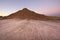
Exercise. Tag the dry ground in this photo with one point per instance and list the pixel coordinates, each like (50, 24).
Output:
(29, 30)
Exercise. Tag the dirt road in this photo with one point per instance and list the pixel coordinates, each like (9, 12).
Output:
(29, 30)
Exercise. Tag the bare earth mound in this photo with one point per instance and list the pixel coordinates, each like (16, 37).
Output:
(26, 14)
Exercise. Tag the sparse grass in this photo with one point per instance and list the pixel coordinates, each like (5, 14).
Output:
(53, 18)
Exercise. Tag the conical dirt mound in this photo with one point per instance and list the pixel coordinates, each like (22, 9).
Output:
(26, 14)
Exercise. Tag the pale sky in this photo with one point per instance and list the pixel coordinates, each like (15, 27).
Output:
(39, 6)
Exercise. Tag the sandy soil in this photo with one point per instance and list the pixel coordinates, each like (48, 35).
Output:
(29, 30)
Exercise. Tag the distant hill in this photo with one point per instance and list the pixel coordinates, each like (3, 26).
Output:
(28, 14)
(54, 14)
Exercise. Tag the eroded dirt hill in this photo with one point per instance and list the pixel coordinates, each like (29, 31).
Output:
(26, 14)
